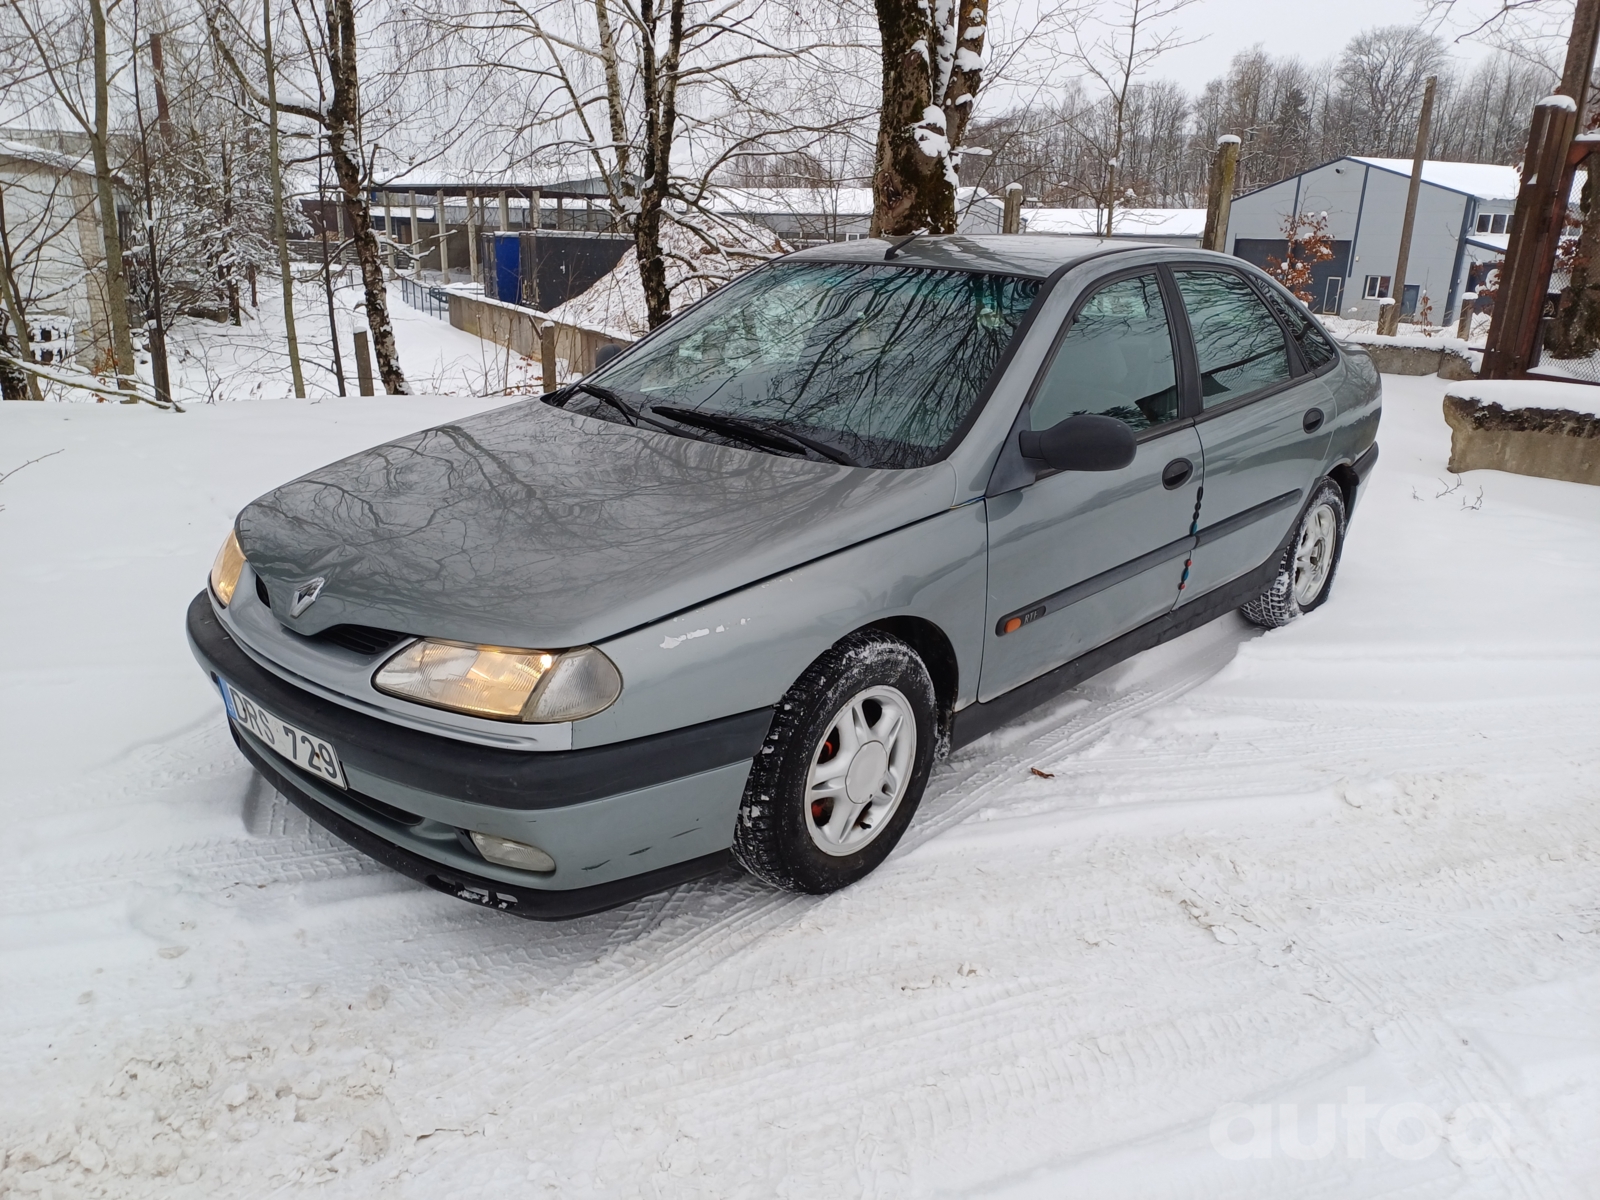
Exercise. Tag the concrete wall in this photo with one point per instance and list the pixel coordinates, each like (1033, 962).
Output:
(1366, 207)
(517, 328)
(1549, 443)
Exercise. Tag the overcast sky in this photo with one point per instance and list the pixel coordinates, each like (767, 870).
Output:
(1312, 29)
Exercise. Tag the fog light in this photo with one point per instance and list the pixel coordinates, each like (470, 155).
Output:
(508, 853)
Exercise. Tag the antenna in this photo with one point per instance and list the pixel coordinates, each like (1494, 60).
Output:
(896, 247)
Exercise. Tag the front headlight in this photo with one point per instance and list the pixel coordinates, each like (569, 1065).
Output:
(501, 684)
(226, 570)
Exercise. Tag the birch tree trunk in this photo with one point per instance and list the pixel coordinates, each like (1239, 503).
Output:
(110, 234)
(342, 123)
(659, 83)
(280, 232)
(932, 68)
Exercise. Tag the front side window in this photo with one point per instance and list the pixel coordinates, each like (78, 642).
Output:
(1115, 359)
(882, 363)
(1239, 343)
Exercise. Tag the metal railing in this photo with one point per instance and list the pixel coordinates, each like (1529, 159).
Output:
(434, 301)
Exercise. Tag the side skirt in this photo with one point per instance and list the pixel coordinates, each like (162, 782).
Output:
(976, 720)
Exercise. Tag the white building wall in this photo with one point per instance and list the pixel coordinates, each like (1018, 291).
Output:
(55, 244)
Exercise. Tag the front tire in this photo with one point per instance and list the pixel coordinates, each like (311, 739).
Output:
(843, 767)
(1305, 576)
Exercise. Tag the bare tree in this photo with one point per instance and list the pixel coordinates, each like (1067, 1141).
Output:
(1114, 49)
(650, 98)
(332, 47)
(77, 77)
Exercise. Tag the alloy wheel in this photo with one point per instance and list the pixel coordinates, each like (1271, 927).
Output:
(1313, 556)
(860, 770)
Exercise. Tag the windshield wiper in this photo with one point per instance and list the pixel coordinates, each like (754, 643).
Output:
(757, 435)
(606, 395)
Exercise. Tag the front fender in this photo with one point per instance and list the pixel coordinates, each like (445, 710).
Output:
(744, 650)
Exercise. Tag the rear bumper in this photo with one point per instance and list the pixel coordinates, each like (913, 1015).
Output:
(621, 821)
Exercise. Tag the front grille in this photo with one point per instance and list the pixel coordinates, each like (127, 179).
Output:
(363, 639)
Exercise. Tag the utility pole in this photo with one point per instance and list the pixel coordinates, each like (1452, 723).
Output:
(1389, 314)
(1219, 203)
(1541, 211)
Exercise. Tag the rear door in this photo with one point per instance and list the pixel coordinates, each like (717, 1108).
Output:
(1261, 424)
(1078, 558)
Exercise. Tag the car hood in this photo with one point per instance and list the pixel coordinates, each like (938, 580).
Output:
(531, 526)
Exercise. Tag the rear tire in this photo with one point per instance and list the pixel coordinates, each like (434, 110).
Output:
(843, 767)
(1305, 575)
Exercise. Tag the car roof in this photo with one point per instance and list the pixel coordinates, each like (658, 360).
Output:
(1007, 254)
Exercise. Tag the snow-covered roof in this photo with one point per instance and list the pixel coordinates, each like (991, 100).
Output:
(1483, 180)
(1127, 222)
(800, 201)
(49, 158)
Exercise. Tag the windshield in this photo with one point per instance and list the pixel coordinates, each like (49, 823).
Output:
(880, 364)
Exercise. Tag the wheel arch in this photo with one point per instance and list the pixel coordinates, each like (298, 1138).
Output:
(1345, 476)
(938, 654)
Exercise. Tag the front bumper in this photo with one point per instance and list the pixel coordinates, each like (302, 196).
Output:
(621, 821)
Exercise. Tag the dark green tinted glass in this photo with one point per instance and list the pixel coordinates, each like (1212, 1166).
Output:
(881, 362)
(1239, 344)
(1315, 349)
(1115, 359)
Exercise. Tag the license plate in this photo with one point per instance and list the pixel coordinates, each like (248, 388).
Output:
(305, 750)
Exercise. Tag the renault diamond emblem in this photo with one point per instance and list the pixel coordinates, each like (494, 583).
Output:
(306, 595)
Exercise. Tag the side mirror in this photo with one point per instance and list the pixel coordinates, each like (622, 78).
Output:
(1086, 442)
(605, 354)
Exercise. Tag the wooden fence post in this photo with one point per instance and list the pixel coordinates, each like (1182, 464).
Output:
(1469, 302)
(547, 354)
(1219, 203)
(1011, 221)
(363, 362)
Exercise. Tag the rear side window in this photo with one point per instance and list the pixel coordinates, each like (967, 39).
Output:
(1239, 344)
(1115, 359)
(1315, 348)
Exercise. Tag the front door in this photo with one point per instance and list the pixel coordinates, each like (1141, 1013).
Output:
(1262, 421)
(1077, 558)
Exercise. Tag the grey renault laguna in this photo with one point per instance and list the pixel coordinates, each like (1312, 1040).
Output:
(730, 595)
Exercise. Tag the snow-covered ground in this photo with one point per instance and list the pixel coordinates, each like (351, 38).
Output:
(213, 362)
(1350, 866)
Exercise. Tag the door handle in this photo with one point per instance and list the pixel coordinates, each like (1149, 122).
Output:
(1313, 420)
(1176, 473)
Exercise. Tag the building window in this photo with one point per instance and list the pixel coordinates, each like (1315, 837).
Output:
(1501, 224)
(1377, 287)
(1483, 222)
